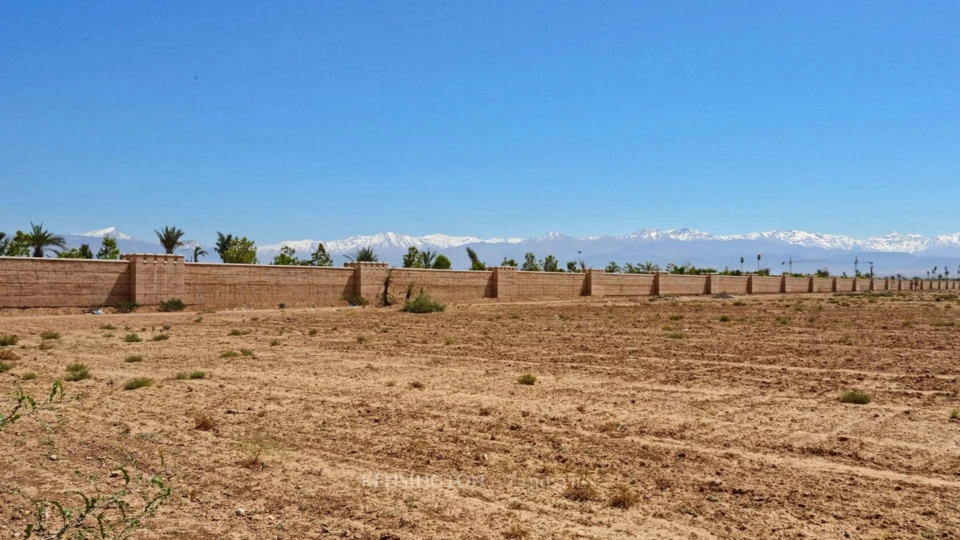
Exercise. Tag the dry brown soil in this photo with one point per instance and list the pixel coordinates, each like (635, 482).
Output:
(391, 425)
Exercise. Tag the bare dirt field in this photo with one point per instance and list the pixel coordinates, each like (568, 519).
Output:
(691, 418)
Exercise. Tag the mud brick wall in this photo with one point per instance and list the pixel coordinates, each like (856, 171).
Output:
(627, 285)
(29, 282)
(150, 279)
(549, 285)
(671, 284)
(446, 285)
(732, 284)
(247, 285)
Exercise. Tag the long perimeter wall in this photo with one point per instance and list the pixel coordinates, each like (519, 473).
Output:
(150, 279)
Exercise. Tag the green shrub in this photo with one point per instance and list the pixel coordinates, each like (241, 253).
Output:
(246, 352)
(161, 337)
(422, 304)
(49, 335)
(357, 300)
(313, 332)
(7, 340)
(28, 376)
(274, 342)
(126, 307)
(417, 385)
(362, 339)
(132, 338)
(528, 379)
(282, 306)
(107, 327)
(174, 304)
(856, 397)
(724, 318)
(955, 414)
(77, 372)
(228, 354)
(236, 332)
(5, 366)
(184, 375)
(139, 382)
(782, 320)
(133, 359)
(676, 317)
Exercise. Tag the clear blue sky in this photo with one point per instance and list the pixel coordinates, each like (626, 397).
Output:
(285, 120)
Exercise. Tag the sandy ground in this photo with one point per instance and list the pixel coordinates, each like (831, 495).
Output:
(388, 425)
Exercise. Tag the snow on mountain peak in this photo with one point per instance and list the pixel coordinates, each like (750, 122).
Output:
(100, 233)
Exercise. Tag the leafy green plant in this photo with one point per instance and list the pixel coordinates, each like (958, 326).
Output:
(174, 304)
(77, 372)
(527, 379)
(139, 382)
(357, 300)
(124, 306)
(363, 254)
(856, 397)
(422, 304)
(8, 340)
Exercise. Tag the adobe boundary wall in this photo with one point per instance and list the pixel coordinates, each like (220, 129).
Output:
(151, 279)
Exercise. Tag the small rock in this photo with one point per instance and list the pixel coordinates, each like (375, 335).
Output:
(240, 512)
(53, 458)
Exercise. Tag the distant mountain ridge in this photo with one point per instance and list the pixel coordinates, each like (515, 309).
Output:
(900, 253)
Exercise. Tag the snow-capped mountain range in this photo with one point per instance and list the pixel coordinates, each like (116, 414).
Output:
(907, 253)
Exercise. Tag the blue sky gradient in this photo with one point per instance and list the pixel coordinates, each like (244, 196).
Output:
(323, 120)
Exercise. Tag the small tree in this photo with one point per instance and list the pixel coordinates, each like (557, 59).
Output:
(240, 251)
(320, 257)
(198, 252)
(412, 258)
(426, 258)
(441, 263)
(40, 239)
(170, 239)
(550, 264)
(364, 254)
(612, 268)
(5, 242)
(758, 263)
(108, 249)
(572, 267)
(475, 263)
(74, 253)
(508, 262)
(223, 244)
(286, 257)
(530, 263)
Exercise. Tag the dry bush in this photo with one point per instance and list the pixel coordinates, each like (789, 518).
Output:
(581, 491)
(623, 497)
(204, 422)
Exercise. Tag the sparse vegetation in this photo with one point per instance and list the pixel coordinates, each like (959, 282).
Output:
(236, 332)
(246, 352)
(229, 354)
(174, 304)
(357, 300)
(581, 491)
(49, 335)
(204, 422)
(132, 338)
(107, 327)
(5, 366)
(417, 385)
(28, 376)
(422, 304)
(527, 379)
(274, 342)
(8, 340)
(161, 337)
(191, 375)
(124, 306)
(133, 359)
(855, 397)
(724, 318)
(139, 382)
(77, 372)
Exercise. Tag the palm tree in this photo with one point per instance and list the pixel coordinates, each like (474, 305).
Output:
(198, 252)
(741, 265)
(170, 239)
(427, 257)
(39, 239)
(364, 254)
(758, 263)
